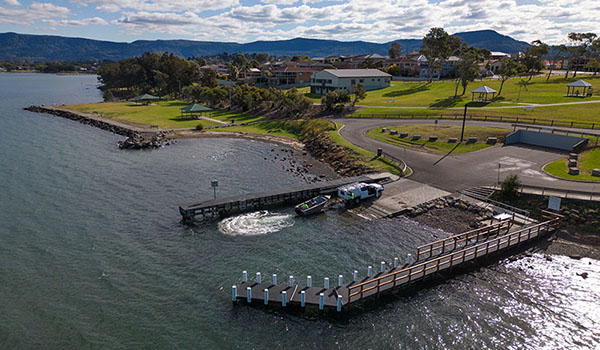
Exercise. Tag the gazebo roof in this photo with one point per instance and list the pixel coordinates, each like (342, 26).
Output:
(146, 97)
(484, 90)
(195, 108)
(580, 83)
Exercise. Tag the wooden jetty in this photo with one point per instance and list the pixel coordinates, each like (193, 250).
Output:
(439, 256)
(255, 201)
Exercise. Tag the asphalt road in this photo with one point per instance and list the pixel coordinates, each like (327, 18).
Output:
(457, 172)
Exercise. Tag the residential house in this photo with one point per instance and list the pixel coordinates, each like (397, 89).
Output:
(290, 76)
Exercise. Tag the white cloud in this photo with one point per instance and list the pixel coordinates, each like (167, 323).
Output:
(35, 11)
(12, 3)
(76, 22)
(158, 5)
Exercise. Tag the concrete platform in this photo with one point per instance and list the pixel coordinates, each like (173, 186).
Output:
(398, 196)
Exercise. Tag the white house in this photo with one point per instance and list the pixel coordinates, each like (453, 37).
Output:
(329, 80)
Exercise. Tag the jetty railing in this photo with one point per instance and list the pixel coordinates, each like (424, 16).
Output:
(419, 271)
(441, 246)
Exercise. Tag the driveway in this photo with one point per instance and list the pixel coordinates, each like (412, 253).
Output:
(458, 172)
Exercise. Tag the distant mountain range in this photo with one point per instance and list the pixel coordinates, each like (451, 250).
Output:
(50, 48)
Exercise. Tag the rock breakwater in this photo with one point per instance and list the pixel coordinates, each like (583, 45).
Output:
(135, 139)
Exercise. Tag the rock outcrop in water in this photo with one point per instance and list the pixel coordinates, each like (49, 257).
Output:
(135, 140)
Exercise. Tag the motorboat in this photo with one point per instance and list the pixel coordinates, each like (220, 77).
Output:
(312, 206)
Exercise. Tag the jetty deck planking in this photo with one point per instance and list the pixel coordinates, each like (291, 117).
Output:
(492, 241)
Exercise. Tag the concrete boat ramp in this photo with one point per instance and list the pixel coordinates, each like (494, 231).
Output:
(399, 195)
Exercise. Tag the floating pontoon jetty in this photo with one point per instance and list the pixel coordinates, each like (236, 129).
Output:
(432, 258)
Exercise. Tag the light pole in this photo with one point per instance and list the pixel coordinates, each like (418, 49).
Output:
(214, 184)
(462, 132)
(499, 166)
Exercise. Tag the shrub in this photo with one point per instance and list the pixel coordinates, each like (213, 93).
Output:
(199, 127)
(509, 188)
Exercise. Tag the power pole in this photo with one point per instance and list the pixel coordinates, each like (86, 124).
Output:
(462, 133)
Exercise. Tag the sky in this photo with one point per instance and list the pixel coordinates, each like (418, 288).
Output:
(251, 20)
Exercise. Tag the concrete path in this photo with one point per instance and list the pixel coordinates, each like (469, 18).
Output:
(458, 172)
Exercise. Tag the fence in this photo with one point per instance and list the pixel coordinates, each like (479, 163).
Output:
(400, 162)
(502, 119)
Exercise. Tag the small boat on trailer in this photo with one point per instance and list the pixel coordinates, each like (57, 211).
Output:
(312, 206)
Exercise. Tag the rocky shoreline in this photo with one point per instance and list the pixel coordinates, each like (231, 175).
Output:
(135, 139)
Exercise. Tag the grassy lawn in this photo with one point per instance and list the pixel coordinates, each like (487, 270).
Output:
(587, 162)
(164, 114)
(444, 132)
(562, 115)
(366, 157)
(276, 128)
(441, 93)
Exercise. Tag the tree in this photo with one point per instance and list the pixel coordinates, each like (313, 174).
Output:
(467, 68)
(395, 51)
(580, 43)
(437, 47)
(262, 58)
(509, 68)
(532, 57)
(368, 63)
(509, 189)
(333, 100)
(593, 65)
(208, 78)
(394, 70)
(522, 84)
(359, 94)
(556, 54)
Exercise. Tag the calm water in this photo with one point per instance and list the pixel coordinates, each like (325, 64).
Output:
(92, 253)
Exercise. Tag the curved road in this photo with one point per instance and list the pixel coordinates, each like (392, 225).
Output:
(458, 172)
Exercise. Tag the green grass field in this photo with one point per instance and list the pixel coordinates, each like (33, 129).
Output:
(164, 114)
(276, 128)
(436, 99)
(441, 93)
(366, 157)
(444, 132)
(588, 161)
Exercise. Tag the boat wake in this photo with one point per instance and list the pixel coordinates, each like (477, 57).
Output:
(255, 224)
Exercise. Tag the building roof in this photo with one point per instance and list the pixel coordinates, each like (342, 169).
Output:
(195, 108)
(356, 73)
(145, 97)
(580, 83)
(484, 90)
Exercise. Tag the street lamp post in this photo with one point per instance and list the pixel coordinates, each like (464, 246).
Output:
(214, 184)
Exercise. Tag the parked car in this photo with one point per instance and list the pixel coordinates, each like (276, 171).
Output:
(356, 192)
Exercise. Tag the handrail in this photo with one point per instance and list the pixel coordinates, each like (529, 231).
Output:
(450, 258)
(466, 236)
